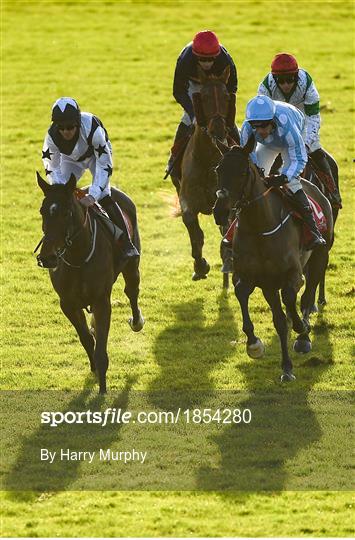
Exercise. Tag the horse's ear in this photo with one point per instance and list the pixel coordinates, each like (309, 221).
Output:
(225, 75)
(249, 146)
(42, 183)
(71, 184)
(201, 75)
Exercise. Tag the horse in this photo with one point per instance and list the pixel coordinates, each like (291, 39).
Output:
(318, 178)
(268, 252)
(214, 109)
(83, 266)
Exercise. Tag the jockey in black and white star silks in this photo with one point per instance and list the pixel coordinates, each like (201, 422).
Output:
(66, 152)
(77, 141)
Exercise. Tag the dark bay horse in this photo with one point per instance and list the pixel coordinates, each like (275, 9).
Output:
(319, 179)
(268, 252)
(83, 266)
(214, 110)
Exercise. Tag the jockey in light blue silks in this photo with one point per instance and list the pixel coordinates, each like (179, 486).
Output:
(279, 128)
(292, 84)
(77, 141)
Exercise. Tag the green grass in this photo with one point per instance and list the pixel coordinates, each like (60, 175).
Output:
(117, 59)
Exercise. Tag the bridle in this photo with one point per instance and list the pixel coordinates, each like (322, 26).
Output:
(244, 202)
(69, 239)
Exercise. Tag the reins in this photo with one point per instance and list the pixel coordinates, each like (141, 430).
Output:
(245, 203)
(68, 242)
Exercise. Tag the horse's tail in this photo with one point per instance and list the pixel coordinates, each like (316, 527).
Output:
(176, 208)
(173, 203)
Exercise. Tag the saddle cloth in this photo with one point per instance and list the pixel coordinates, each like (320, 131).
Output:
(318, 215)
(99, 212)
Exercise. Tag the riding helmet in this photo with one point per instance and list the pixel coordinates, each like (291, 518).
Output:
(260, 108)
(284, 63)
(66, 111)
(206, 44)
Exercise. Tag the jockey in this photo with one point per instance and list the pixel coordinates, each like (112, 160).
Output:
(279, 128)
(204, 51)
(287, 82)
(77, 141)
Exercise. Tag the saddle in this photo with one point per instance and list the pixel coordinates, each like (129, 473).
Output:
(97, 212)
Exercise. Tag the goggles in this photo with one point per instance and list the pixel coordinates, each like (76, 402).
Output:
(67, 127)
(260, 123)
(289, 79)
(206, 59)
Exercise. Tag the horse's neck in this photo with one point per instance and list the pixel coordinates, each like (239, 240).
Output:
(204, 148)
(265, 211)
(81, 225)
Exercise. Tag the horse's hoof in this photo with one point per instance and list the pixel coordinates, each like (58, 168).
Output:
(314, 309)
(287, 376)
(256, 350)
(201, 270)
(322, 302)
(197, 277)
(302, 346)
(137, 327)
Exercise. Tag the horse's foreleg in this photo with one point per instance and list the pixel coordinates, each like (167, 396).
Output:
(272, 297)
(201, 266)
(132, 279)
(289, 298)
(77, 318)
(102, 314)
(255, 347)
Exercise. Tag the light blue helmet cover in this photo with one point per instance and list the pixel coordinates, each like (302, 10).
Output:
(260, 108)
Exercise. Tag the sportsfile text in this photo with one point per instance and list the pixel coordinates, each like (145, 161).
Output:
(119, 416)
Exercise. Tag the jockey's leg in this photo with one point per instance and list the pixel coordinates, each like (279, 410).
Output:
(320, 159)
(265, 157)
(115, 214)
(302, 205)
(174, 164)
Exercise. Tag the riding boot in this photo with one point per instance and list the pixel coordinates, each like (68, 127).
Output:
(302, 205)
(128, 250)
(320, 159)
(173, 167)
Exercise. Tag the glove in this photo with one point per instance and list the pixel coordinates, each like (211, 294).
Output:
(87, 201)
(276, 180)
(221, 212)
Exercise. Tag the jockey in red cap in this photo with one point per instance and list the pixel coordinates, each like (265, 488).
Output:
(206, 52)
(288, 82)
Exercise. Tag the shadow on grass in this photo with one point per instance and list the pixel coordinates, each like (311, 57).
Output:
(188, 351)
(28, 472)
(257, 457)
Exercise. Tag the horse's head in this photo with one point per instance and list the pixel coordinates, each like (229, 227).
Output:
(214, 106)
(233, 174)
(234, 181)
(57, 220)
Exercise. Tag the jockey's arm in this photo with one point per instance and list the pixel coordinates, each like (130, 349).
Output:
(311, 109)
(51, 161)
(264, 89)
(180, 88)
(297, 155)
(104, 164)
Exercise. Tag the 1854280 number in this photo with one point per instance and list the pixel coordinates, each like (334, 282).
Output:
(220, 416)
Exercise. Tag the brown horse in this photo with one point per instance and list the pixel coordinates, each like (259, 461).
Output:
(317, 177)
(214, 110)
(83, 266)
(268, 252)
